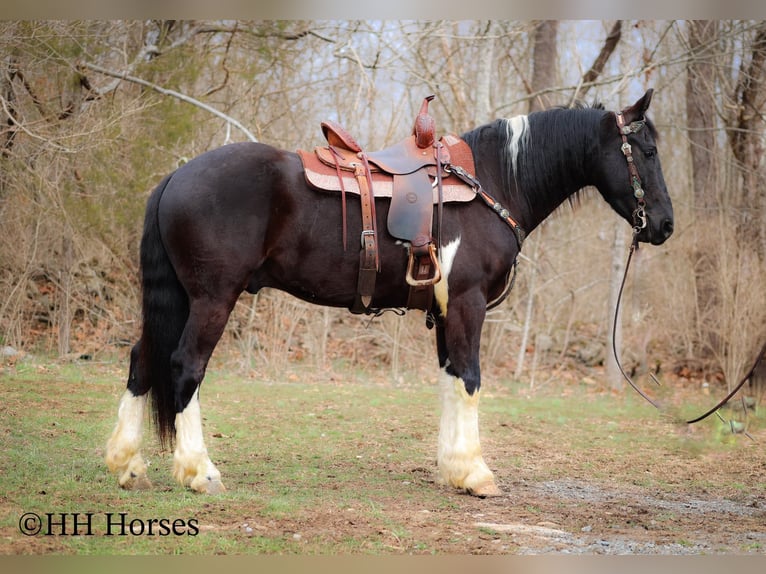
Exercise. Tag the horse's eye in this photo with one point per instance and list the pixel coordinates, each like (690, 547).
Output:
(651, 152)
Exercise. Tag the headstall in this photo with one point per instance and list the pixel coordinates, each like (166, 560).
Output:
(639, 215)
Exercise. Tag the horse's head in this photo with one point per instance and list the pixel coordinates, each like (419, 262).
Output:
(629, 175)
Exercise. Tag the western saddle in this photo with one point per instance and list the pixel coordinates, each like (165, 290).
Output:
(416, 174)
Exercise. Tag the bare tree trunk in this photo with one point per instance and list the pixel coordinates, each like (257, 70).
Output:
(8, 127)
(700, 119)
(544, 58)
(7, 97)
(483, 109)
(543, 76)
(613, 374)
(65, 297)
(700, 112)
(529, 313)
(746, 137)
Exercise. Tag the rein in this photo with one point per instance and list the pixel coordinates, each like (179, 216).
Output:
(639, 223)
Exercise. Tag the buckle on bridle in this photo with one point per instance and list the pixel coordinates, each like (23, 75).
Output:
(639, 217)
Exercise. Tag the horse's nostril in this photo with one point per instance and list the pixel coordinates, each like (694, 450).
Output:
(667, 227)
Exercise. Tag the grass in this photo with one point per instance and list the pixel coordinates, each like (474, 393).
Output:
(280, 447)
(312, 466)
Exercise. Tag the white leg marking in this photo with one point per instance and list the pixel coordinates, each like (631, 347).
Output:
(459, 458)
(123, 450)
(191, 465)
(446, 258)
(518, 126)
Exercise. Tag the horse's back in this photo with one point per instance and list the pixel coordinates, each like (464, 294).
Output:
(244, 168)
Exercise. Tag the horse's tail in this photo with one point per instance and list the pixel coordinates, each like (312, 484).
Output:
(165, 312)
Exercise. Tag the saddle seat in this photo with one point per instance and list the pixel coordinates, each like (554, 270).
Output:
(413, 174)
(402, 158)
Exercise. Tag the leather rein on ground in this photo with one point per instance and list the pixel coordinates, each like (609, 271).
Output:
(639, 223)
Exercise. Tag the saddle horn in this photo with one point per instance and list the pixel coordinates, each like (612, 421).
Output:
(425, 126)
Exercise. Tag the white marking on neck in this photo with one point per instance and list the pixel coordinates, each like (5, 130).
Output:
(518, 133)
(446, 259)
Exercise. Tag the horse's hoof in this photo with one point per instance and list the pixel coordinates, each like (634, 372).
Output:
(209, 486)
(485, 490)
(215, 487)
(137, 482)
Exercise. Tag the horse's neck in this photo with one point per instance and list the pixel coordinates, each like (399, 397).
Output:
(553, 166)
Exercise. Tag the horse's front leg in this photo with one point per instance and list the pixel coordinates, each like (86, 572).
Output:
(459, 459)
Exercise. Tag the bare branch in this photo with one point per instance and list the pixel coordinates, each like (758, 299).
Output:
(168, 92)
(598, 64)
(148, 51)
(13, 121)
(223, 29)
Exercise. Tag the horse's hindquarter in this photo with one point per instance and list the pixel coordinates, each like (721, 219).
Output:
(214, 214)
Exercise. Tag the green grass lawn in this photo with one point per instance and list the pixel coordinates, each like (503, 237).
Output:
(311, 465)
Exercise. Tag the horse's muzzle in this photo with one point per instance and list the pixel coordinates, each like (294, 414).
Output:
(660, 234)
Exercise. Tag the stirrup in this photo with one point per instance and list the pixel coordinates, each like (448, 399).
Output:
(437, 274)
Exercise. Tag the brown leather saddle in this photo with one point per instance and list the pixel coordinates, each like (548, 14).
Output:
(414, 174)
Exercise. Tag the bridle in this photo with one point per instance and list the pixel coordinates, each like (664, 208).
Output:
(639, 223)
(639, 214)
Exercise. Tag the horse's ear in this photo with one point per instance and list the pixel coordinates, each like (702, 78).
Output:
(638, 110)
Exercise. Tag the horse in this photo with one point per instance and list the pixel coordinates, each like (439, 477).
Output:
(242, 217)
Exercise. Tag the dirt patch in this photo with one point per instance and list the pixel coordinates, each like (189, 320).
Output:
(554, 517)
(583, 517)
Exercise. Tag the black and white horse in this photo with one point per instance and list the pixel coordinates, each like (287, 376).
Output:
(242, 217)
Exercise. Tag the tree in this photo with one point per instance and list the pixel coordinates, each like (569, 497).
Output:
(746, 127)
(725, 90)
(544, 63)
(701, 73)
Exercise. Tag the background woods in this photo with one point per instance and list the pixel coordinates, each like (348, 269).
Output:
(94, 114)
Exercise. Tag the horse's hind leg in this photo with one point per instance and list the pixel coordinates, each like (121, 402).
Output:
(123, 450)
(192, 466)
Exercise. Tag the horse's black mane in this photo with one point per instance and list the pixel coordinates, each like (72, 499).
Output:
(567, 128)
